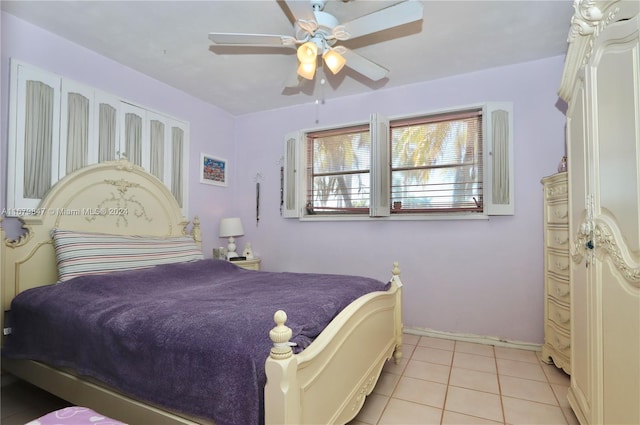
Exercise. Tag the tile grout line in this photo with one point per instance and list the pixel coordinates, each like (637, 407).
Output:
(446, 392)
(495, 359)
(395, 386)
(564, 413)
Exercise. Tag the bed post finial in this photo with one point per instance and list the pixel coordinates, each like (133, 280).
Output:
(395, 272)
(280, 335)
(396, 269)
(196, 233)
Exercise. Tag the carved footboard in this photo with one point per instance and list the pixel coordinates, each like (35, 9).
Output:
(329, 380)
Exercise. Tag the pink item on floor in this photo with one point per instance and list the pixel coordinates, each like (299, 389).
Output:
(74, 415)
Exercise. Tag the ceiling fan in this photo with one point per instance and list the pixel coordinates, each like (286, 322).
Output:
(316, 32)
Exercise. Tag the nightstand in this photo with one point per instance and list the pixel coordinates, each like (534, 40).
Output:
(253, 264)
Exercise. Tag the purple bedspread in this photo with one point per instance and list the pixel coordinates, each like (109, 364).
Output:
(192, 337)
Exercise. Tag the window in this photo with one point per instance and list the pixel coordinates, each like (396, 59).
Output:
(446, 164)
(339, 171)
(436, 163)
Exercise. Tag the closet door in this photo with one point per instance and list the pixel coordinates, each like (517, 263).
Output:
(159, 136)
(77, 149)
(168, 148)
(615, 76)
(134, 134)
(106, 138)
(582, 310)
(34, 136)
(178, 162)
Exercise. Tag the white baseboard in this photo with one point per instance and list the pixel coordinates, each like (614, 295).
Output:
(478, 339)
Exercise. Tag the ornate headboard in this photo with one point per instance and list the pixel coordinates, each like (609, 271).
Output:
(115, 197)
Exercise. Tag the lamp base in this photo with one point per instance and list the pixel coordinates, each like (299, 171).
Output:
(231, 248)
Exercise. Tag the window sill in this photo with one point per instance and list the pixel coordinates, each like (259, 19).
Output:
(396, 217)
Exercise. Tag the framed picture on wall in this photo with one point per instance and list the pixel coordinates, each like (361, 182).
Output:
(213, 170)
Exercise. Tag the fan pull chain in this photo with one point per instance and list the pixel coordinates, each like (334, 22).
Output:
(320, 101)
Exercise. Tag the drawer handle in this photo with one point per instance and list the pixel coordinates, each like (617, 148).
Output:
(560, 214)
(561, 346)
(561, 292)
(560, 318)
(561, 241)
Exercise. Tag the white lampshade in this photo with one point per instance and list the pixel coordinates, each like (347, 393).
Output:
(231, 227)
(334, 60)
(307, 52)
(307, 70)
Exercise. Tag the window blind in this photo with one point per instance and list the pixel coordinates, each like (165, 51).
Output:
(339, 170)
(437, 163)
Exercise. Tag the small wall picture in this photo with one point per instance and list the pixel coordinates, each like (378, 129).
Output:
(213, 170)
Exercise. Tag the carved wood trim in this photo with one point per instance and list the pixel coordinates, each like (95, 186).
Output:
(606, 245)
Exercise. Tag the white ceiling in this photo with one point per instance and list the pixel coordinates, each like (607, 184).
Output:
(167, 40)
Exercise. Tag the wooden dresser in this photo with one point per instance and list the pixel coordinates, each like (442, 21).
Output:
(557, 308)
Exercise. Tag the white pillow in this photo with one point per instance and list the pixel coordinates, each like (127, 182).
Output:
(83, 253)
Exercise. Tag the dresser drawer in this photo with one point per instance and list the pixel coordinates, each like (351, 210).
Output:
(558, 263)
(558, 237)
(558, 289)
(557, 188)
(253, 264)
(558, 213)
(558, 340)
(559, 315)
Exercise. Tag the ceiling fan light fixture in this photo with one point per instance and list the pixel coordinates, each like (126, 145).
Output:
(308, 52)
(307, 70)
(334, 60)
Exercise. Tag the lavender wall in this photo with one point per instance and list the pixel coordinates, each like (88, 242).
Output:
(499, 289)
(211, 129)
(474, 276)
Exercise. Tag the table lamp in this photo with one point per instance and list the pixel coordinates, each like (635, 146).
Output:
(231, 227)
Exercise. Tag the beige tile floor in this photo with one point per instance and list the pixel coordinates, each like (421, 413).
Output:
(438, 381)
(442, 381)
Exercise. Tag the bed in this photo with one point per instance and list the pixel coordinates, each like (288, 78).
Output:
(326, 382)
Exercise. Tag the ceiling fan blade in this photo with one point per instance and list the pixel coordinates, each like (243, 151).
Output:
(362, 65)
(392, 16)
(234, 39)
(301, 10)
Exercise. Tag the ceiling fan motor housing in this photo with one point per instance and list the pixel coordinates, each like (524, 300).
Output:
(317, 4)
(326, 23)
(321, 31)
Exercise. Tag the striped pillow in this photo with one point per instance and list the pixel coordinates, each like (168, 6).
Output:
(80, 253)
